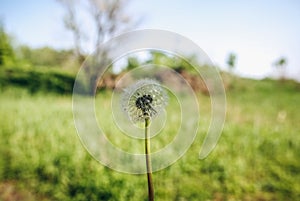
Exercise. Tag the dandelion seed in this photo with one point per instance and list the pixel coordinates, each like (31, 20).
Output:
(144, 99)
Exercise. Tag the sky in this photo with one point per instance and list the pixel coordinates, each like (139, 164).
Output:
(259, 32)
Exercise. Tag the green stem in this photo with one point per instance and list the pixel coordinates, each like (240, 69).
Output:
(148, 161)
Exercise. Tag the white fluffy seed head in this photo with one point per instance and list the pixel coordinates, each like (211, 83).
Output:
(144, 99)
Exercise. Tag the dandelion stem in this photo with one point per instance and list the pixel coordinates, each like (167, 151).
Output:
(148, 160)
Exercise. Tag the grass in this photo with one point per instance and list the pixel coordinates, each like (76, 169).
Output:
(257, 157)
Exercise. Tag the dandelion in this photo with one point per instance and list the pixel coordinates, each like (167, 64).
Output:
(142, 102)
(144, 99)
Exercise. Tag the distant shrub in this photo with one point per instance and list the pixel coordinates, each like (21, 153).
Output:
(37, 80)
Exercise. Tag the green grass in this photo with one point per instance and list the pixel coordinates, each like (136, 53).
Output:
(257, 157)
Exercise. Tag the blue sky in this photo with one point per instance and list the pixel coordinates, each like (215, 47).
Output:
(258, 31)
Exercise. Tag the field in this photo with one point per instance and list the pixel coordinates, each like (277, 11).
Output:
(257, 157)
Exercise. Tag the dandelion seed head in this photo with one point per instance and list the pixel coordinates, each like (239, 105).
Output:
(144, 99)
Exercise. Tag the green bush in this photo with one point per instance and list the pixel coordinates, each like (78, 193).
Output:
(37, 80)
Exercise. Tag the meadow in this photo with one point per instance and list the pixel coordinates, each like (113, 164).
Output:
(257, 156)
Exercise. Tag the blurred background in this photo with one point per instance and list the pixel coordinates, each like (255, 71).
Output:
(254, 45)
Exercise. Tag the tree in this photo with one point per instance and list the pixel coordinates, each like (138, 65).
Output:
(6, 50)
(231, 61)
(173, 61)
(71, 23)
(280, 65)
(44, 56)
(108, 19)
(132, 62)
